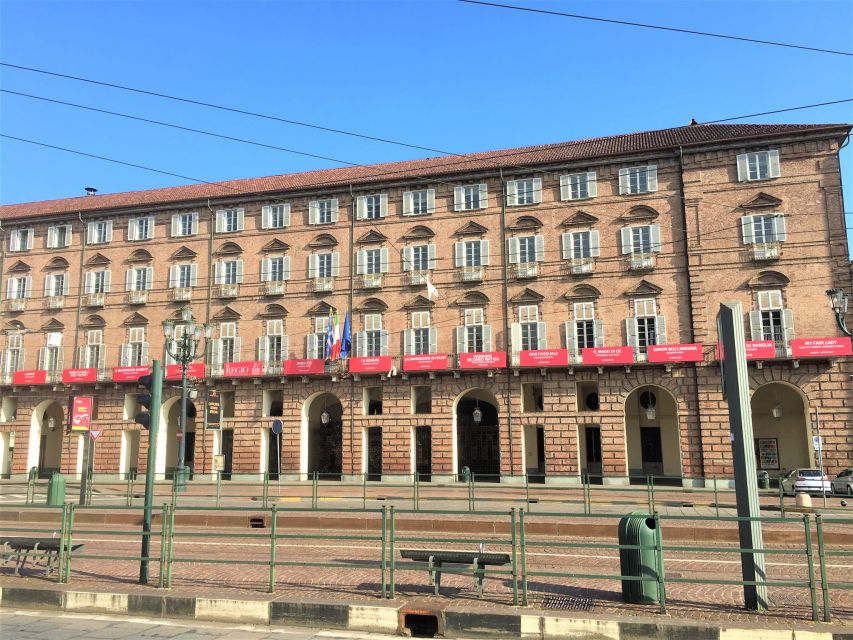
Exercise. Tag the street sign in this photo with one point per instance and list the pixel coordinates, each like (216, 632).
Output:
(277, 426)
(95, 433)
(219, 462)
(178, 434)
(816, 443)
(81, 413)
(213, 409)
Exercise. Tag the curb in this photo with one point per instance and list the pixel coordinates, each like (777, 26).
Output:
(397, 618)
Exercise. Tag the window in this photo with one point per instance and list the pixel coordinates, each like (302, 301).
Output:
(93, 351)
(316, 341)
(585, 329)
(528, 318)
(471, 197)
(472, 253)
(59, 236)
(373, 341)
(646, 328)
(182, 276)
(521, 192)
(371, 207)
(140, 228)
(578, 186)
(764, 228)
(638, 180)
(473, 336)
(229, 345)
(581, 246)
(642, 240)
(229, 220)
(772, 321)
(323, 211)
(140, 278)
(526, 250)
(372, 261)
(184, 224)
(275, 216)
(229, 272)
(135, 350)
(18, 287)
(758, 165)
(99, 232)
(323, 265)
(418, 203)
(14, 358)
(420, 257)
(532, 397)
(276, 342)
(98, 281)
(275, 269)
(50, 357)
(421, 399)
(20, 239)
(421, 338)
(56, 285)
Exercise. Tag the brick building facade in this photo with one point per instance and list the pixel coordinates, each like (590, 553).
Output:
(587, 274)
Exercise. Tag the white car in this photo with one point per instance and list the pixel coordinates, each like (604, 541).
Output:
(806, 481)
(843, 483)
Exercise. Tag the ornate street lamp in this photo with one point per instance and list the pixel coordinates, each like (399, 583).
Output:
(477, 414)
(777, 411)
(839, 301)
(648, 402)
(183, 349)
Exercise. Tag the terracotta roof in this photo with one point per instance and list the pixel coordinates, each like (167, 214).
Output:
(633, 143)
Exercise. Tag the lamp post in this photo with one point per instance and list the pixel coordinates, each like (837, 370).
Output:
(839, 301)
(184, 349)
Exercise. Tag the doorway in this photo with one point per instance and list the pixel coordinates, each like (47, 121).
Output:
(592, 451)
(652, 435)
(534, 453)
(478, 439)
(324, 421)
(273, 454)
(130, 454)
(423, 453)
(228, 452)
(374, 454)
(652, 451)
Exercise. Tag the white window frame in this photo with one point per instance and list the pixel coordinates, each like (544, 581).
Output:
(419, 202)
(20, 239)
(464, 197)
(578, 186)
(636, 180)
(320, 210)
(275, 216)
(523, 192)
(750, 169)
(53, 239)
(179, 229)
(99, 232)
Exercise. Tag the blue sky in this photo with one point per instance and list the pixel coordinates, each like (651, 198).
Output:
(441, 74)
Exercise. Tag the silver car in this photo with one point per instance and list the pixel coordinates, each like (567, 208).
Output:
(806, 481)
(843, 483)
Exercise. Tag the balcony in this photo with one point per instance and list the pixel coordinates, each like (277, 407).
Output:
(418, 277)
(94, 299)
(54, 376)
(766, 251)
(581, 266)
(273, 288)
(323, 284)
(640, 262)
(54, 302)
(371, 281)
(228, 291)
(16, 304)
(182, 294)
(471, 274)
(137, 297)
(526, 270)
(273, 367)
(6, 377)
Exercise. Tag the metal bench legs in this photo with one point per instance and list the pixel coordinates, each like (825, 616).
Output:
(434, 573)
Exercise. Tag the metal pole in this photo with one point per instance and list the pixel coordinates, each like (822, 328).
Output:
(84, 471)
(180, 483)
(820, 452)
(156, 399)
(736, 392)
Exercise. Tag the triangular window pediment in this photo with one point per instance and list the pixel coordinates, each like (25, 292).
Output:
(525, 223)
(184, 253)
(19, 267)
(322, 308)
(57, 263)
(229, 249)
(640, 212)
(53, 325)
(578, 219)
(420, 232)
(768, 279)
(372, 237)
(13, 326)
(140, 255)
(227, 315)
(762, 200)
(274, 311)
(275, 245)
(471, 229)
(644, 288)
(419, 302)
(473, 299)
(323, 240)
(582, 291)
(528, 295)
(97, 260)
(135, 319)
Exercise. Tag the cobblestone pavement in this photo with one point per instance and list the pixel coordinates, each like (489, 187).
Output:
(32, 625)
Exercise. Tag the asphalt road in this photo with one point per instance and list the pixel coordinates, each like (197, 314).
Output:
(40, 625)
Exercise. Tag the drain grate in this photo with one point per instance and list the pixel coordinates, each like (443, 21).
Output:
(568, 603)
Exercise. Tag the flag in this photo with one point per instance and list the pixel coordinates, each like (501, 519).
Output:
(346, 337)
(431, 290)
(336, 339)
(327, 351)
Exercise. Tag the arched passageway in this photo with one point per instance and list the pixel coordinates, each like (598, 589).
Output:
(477, 434)
(652, 433)
(47, 427)
(322, 418)
(781, 429)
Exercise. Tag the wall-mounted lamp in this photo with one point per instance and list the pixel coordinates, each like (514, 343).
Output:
(51, 423)
(477, 414)
(777, 411)
(648, 401)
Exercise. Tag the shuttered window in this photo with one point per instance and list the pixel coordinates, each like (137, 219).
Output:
(758, 165)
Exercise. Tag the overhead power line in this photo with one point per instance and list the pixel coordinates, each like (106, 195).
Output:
(767, 113)
(657, 27)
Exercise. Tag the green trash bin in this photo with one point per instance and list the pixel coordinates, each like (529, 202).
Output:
(56, 490)
(763, 480)
(638, 528)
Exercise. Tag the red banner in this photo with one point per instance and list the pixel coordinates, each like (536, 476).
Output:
(194, 370)
(371, 364)
(81, 413)
(37, 376)
(544, 358)
(821, 347)
(688, 352)
(607, 355)
(755, 350)
(304, 367)
(71, 376)
(130, 374)
(485, 360)
(248, 369)
(425, 362)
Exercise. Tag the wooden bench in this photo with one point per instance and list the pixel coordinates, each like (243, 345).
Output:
(36, 549)
(475, 561)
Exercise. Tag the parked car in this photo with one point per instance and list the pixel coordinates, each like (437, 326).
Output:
(843, 483)
(806, 481)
